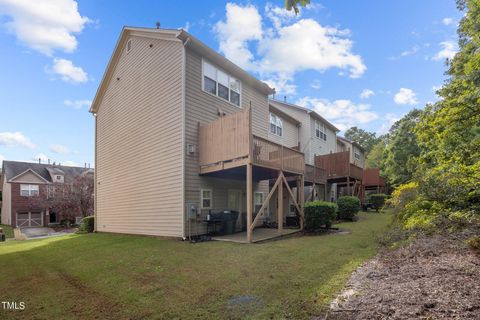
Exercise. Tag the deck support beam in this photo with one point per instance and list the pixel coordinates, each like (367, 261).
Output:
(280, 204)
(249, 197)
(302, 201)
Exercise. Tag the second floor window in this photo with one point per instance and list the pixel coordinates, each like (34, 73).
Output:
(276, 125)
(29, 190)
(320, 130)
(356, 154)
(221, 84)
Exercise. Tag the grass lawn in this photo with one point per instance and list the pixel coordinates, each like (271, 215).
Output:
(7, 230)
(106, 276)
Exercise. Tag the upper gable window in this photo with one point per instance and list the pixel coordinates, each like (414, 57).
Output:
(29, 190)
(320, 130)
(221, 84)
(356, 153)
(276, 125)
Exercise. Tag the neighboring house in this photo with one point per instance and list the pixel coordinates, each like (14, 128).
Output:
(181, 132)
(316, 135)
(357, 152)
(23, 184)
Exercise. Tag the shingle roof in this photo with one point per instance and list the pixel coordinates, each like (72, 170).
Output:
(12, 169)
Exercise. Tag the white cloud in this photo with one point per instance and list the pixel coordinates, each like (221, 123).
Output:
(405, 96)
(1, 160)
(291, 45)
(447, 21)
(68, 71)
(242, 24)
(44, 25)
(366, 93)
(436, 88)
(41, 156)
(78, 104)
(389, 120)
(449, 49)
(316, 84)
(70, 164)
(342, 113)
(58, 148)
(15, 139)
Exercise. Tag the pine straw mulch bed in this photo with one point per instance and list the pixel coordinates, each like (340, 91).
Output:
(430, 278)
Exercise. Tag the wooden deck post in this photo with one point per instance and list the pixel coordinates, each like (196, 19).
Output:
(302, 201)
(280, 206)
(348, 186)
(249, 188)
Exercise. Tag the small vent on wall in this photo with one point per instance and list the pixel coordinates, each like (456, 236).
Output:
(129, 45)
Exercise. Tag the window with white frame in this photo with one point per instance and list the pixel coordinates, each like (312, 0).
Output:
(29, 190)
(206, 198)
(50, 191)
(258, 198)
(276, 125)
(356, 153)
(320, 130)
(221, 84)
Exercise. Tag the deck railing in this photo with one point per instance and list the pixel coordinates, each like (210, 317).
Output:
(230, 138)
(338, 165)
(315, 174)
(273, 155)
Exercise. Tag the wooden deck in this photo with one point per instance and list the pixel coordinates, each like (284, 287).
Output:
(338, 166)
(228, 142)
(259, 235)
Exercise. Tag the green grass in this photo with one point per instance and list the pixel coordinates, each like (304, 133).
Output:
(7, 230)
(106, 276)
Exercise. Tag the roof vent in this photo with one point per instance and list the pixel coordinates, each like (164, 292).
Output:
(129, 45)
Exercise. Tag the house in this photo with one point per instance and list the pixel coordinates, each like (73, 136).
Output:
(344, 168)
(182, 132)
(316, 136)
(25, 187)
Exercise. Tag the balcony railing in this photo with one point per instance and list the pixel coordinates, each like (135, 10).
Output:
(314, 174)
(228, 142)
(338, 165)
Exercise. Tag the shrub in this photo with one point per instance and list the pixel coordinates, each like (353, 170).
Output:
(348, 207)
(87, 225)
(319, 213)
(377, 200)
(403, 194)
(474, 243)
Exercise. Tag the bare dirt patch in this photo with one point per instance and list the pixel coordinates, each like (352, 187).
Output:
(431, 278)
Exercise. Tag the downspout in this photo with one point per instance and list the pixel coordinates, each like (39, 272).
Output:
(184, 146)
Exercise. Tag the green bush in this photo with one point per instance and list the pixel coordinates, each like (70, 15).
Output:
(348, 207)
(87, 225)
(318, 214)
(377, 200)
(474, 243)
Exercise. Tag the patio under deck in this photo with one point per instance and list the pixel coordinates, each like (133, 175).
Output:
(228, 149)
(260, 234)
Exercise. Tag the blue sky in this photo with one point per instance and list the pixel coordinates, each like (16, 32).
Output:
(54, 52)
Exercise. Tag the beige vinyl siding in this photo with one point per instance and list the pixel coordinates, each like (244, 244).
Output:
(289, 137)
(6, 203)
(359, 162)
(201, 107)
(139, 142)
(319, 146)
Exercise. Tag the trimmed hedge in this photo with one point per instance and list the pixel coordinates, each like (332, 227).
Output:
(377, 200)
(348, 207)
(318, 214)
(87, 225)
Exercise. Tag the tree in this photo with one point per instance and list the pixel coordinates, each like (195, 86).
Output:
(449, 131)
(364, 138)
(69, 200)
(402, 150)
(293, 4)
(375, 156)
